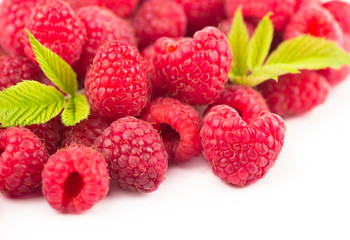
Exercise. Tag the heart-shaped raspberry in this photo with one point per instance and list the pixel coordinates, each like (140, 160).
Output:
(241, 152)
(193, 70)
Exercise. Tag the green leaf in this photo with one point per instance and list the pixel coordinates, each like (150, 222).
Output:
(252, 80)
(76, 110)
(260, 43)
(54, 67)
(29, 102)
(239, 39)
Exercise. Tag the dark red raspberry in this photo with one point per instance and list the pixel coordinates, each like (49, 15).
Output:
(116, 84)
(225, 27)
(102, 26)
(55, 25)
(178, 124)
(135, 154)
(305, 3)
(75, 179)
(22, 160)
(334, 76)
(14, 17)
(295, 94)
(85, 132)
(159, 18)
(241, 151)
(15, 69)
(256, 9)
(193, 70)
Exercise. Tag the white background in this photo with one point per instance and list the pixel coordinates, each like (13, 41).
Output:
(305, 195)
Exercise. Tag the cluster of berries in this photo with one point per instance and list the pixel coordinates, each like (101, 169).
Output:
(146, 66)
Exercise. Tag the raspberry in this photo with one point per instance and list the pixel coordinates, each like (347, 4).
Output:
(117, 84)
(178, 124)
(295, 94)
(193, 70)
(305, 3)
(85, 132)
(22, 160)
(55, 25)
(102, 26)
(15, 69)
(256, 9)
(134, 153)
(1, 52)
(334, 76)
(159, 18)
(225, 27)
(147, 54)
(75, 179)
(243, 99)
(14, 17)
(241, 151)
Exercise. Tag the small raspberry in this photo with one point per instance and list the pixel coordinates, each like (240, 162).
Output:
(193, 70)
(75, 179)
(134, 153)
(295, 94)
(116, 84)
(178, 124)
(55, 25)
(22, 160)
(241, 151)
(334, 76)
(305, 3)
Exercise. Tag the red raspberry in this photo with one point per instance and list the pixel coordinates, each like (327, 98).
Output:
(147, 54)
(75, 179)
(159, 18)
(14, 17)
(241, 151)
(295, 94)
(178, 124)
(102, 26)
(117, 84)
(55, 25)
(305, 3)
(334, 76)
(225, 27)
(134, 153)
(85, 132)
(22, 160)
(193, 70)
(256, 9)
(15, 69)
(1, 52)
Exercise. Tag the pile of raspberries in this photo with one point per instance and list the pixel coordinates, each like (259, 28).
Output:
(155, 73)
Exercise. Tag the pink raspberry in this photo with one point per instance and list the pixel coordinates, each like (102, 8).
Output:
(241, 151)
(1, 52)
(102, 26)
(22, 160)
(75, 179)
(178, 124)
(193, 70)
(334, 76)
(134, 153)
(55, 25)
(305, 3)
(116, 84)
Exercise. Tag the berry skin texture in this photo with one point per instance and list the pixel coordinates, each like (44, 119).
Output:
(75, 179)
(341, 12)
(305, 3)
(241, 152)
(117, 84)
(135, 154)
(55, 25)
(22, 160)
(159, 18)
(333, 76)
(178, 124)
(193, 70)
(295, 94)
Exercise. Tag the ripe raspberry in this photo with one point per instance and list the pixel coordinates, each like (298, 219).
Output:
(241, 151)
(295, 94)
(334, 76)
(15, 69)
(178, 124)
(193, 70)
(102, 26)
(14, 17)
(1, 52)
(225, 27)
(85, 132)
(134, 153)
(159, 18)
(55, 25)
(243, 99)
(75, 179)
(22, 160)
(116, 84)
(147, 54)
(305, 3)
(256, 9)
